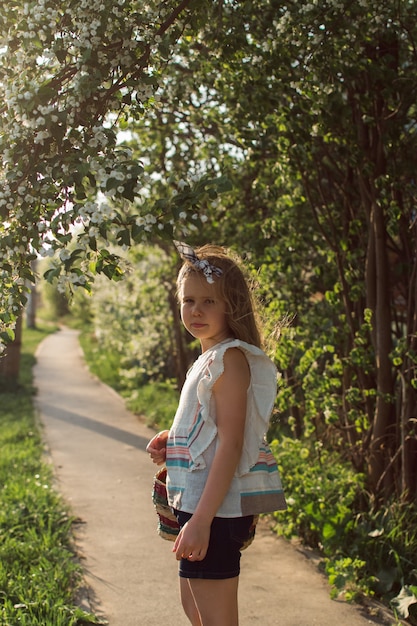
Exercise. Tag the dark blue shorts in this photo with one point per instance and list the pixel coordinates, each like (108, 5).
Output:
(227, 536)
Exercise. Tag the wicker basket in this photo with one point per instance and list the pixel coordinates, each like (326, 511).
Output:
(168, 527)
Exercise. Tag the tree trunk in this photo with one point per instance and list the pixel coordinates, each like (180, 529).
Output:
(10, 361)
(409, 407)
(180, 352)
(381, 479)
(31, 305)
(409, 442)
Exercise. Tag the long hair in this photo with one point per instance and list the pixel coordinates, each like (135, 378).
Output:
(233, 288)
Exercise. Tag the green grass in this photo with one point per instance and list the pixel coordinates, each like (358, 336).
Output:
(104, 365)
(39, 574)
(156, 402)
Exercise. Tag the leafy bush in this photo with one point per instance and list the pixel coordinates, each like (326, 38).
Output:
(321, 493)
(132, 319)
(366, 548)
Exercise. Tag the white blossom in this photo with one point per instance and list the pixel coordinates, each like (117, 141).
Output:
(61, 130)
(64, 254)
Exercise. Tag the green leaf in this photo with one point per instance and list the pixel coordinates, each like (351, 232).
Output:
(7, 335)
(112, 183)
(60, 53)
(50, 274)
(137, 232)
(128, 190)
(329, 531)
(223, 184)
(123, 237)
(46, 92)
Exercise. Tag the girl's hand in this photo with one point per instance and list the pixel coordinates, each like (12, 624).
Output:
(156, 448)
(192, 541)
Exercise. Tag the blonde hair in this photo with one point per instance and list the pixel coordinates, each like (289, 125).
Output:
(233, 288)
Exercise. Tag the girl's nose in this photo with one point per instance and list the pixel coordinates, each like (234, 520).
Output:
(196, 309)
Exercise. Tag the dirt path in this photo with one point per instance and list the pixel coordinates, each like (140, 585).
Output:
(98, 451)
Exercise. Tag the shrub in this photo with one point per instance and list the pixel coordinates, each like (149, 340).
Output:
(367, 548)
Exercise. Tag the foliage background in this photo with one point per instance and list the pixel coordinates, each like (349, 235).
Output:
(286, 131)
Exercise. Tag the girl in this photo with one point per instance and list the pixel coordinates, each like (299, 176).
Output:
(220, 471)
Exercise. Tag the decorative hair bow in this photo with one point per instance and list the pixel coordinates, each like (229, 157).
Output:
(187, 253)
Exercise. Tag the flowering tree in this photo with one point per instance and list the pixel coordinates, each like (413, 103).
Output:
(73, 75)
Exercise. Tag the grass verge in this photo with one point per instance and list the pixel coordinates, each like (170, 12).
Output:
(39, 574)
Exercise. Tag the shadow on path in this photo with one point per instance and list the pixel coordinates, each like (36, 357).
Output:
(87, 423)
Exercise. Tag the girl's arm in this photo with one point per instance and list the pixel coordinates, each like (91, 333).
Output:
(230, 392)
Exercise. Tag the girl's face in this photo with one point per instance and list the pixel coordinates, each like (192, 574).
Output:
(202, 312)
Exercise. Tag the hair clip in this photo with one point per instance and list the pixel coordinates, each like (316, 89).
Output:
(186, 252)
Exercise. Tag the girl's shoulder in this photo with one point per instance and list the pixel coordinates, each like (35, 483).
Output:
(234, 356)
(236, 365)
(238, 356)
(254, 355)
